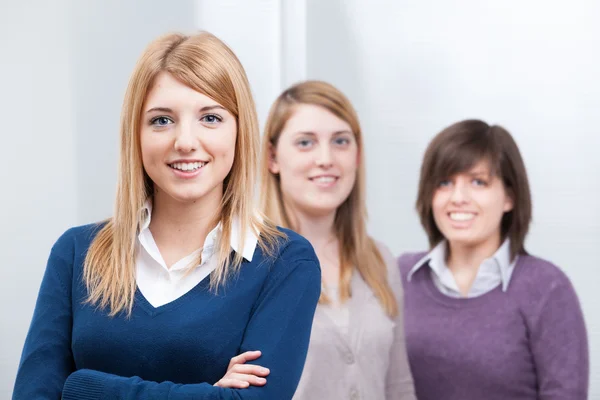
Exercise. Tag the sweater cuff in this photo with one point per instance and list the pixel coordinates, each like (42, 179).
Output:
(84, 384)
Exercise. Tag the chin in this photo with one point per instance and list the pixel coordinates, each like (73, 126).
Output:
(463, 242)
(462, 238)
(186, 196)
(320, 210)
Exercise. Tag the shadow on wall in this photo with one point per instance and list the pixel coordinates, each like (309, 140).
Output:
(331, 54)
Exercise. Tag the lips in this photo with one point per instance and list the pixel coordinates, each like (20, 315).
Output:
(187, 166)
(461, 216)
(325, 179)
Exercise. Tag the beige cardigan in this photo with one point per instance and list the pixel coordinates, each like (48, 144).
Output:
(370, 362)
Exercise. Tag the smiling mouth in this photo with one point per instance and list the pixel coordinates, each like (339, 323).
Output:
(187, 167)
(461, 216)
(324, 179)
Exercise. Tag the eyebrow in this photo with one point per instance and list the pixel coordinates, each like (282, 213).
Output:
(336, 133)
(168, 110)
(479, 173)
(342, 132)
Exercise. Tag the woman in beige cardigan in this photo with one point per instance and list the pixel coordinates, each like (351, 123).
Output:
(314, 182)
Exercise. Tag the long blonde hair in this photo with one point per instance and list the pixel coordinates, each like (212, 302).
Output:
(357, 250)
(207, 65)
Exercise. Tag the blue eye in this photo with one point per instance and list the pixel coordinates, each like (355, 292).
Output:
(479, 182)
(304, 143)
(211, 119)
(444, 183)
(161, 121)
(342, 141)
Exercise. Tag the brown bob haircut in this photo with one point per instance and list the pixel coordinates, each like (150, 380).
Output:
(457, 149)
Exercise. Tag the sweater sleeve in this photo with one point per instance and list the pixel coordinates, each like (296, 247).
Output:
(46, 360)
(559, 344)
(280, 327)
(398, 381)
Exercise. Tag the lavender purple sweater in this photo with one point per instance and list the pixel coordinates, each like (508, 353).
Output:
(528, 343)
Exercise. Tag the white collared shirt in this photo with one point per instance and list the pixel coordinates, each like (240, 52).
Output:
(161, 285)
(493, 271)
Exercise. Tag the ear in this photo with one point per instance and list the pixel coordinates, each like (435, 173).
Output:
(508, 202)
(273, 164)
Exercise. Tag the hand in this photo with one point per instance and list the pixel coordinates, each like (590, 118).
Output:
(240, 375)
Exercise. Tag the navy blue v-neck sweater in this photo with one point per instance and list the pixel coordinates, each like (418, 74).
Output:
(176, 351)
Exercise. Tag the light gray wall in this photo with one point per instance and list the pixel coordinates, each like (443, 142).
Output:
(37, 167)
(530, 66)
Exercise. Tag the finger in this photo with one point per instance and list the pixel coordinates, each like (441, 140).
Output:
(251, 379)
(232, 383)
(246, 356)
(250, 369)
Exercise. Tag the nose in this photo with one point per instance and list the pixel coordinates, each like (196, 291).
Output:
(186, 140)
(324, 158)
(460, 193)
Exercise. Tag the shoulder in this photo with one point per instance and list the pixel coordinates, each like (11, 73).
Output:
(293, 246)
(407, 260)
(538, 276)
(388, 258)
(69, 251)
(292, 251)
(293, 265)
(543, 292)
(75, 240)
(385, 252)
(393, 274)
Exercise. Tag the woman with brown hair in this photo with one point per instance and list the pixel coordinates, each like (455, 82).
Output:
(156, 301)
(485, 319)
(313, 181)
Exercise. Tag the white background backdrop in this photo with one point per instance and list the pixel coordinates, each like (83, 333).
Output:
(409, 67)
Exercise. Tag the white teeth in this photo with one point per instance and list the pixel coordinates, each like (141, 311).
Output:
(188, 166)
(324, 179)
(461, 216)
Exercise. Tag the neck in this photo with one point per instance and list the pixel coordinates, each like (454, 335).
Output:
(183, 225)
(469, 257)
(319, 230)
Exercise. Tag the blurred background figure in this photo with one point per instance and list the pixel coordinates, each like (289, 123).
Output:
(484, 318)
(314, 183)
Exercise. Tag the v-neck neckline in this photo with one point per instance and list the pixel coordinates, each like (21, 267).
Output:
(350, 339)
(200, 288)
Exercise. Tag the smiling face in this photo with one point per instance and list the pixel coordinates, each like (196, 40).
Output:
(187, 142)
(316, 158)
(468, 207)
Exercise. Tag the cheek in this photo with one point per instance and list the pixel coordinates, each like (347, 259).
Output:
(349, 173)
(152, 148)
(294, 169)
(349, 161)
(438, 203)
(221, 145)
(293, 163)
(349, 157)
(293, 180)
(492, 204)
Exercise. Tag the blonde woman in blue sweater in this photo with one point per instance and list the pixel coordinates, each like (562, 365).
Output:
(156, 301)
